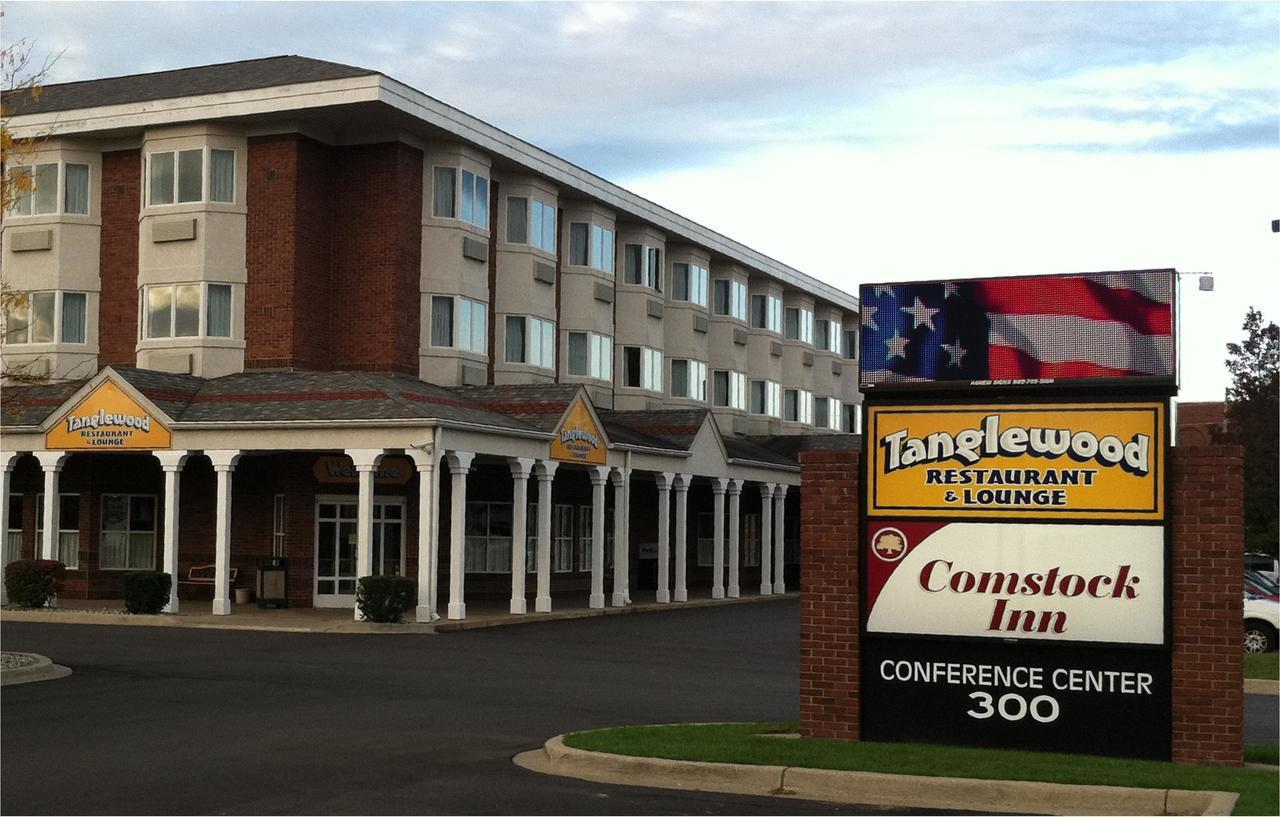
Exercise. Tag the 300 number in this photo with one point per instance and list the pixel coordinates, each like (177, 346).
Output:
(1014, 707)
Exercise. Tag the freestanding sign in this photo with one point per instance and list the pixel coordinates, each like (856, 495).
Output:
(1015, 560)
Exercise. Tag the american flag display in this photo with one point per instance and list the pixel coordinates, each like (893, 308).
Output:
(1043, 328)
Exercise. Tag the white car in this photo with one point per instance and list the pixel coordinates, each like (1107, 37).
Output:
(1261, 623)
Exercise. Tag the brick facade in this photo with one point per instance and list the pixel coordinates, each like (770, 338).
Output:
(118, 257)
(1208, 663)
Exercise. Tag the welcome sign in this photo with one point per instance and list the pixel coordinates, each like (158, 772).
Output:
(108, 419)
(1060, 461)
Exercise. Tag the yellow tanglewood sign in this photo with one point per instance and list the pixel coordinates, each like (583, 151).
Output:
(1061, 461)
(107, 419)
(578, 439)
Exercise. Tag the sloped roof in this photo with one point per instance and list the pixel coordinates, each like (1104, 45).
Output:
(225, 77)
(674, 429)
(541, 405)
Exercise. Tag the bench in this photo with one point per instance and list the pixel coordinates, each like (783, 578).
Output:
(206, 576)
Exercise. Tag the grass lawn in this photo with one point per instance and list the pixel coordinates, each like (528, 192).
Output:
(746, 743)
(1263, 665)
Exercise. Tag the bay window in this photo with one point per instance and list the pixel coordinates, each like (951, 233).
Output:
(642, 265)
(828, 336)
(531, 340)
(826, 413)
(591, 355)
(642, 368)
(766, 313)
(36, 187)
(591, 245)
(766, 398)
(797, 406)
(851, 344)
(729, 389)
(47, 317)
(851, 418)
(459, 322)
(173, 311)
(799, 324)
(460, 194)
(689, 283)
(731, 298)
(689, 379)
(532, 222)
(191, 175)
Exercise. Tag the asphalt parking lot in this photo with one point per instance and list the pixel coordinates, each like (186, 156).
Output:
(159, 720)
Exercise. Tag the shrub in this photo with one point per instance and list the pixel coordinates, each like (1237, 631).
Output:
(386, 598)
(33, 582)
(146, 592)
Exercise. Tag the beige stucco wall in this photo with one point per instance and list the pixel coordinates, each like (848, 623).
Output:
(518, 290)
(681, 338)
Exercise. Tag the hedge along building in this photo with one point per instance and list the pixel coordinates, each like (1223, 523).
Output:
(296, 308)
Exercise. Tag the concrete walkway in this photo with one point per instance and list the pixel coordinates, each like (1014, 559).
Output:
(480, 613)
(891, 791)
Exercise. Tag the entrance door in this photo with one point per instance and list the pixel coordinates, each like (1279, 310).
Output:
(336, 546)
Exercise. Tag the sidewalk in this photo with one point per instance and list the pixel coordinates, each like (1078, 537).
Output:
(480, 613)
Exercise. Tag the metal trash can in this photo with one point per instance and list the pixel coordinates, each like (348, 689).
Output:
(273, 581)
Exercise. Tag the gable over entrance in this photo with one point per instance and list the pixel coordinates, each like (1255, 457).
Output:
(108, 418)
(579, 437)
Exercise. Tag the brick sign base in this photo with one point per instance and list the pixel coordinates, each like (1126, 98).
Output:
(1207, 614)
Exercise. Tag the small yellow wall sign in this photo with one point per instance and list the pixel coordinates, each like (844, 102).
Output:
(578, 439)
(1052, 461)
(108, 419)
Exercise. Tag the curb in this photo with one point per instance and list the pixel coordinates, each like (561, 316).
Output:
(43, 670)
(870, 788)
(1261, 686)
(447, 626)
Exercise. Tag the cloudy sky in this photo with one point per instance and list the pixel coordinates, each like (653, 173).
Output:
(858, 142)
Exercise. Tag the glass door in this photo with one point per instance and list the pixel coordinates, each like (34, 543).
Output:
(336, 569)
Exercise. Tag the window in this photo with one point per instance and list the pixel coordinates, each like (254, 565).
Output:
(444, 192)
(689, 379)
(38, 194)
(766, 398)
(852, 419)
(766, 313)
(128, 532)
(177, 177)
(828, 336)
(488, 537)
(68, 528)
(706, 539)
(797, 406)
(582, 540)
(729, 389)
(731, 298)
(591, 355)
(799, 324)
(642, 368)
(475, 199)
(826, 413)
(174, 311)
(531, 222)
(689, 283)
(591, 245)
(851, 344)
(531, 340)
(561, 538)
(43, 317)
(472, 323)
(751, 540)
(578, 234)
(277, 525)
(13, 536)
(642, 266)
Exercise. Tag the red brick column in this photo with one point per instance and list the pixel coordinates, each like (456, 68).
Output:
(829, 654)
(1208, 657)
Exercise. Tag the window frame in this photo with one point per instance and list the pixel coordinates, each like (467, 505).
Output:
(59, 198)
(25, 312)
(202, 311)
(599, 356)
(491, 540)
(534, 327)
(206, 176)
(649, 365)
(155, 534)
(61, 530)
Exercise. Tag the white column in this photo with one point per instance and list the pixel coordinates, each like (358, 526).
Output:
(766, 538)
(51, 463)
(520, 468)
(626, 536)
(224, 462)
(663, 481)
(546, 470)
(459, 467)
(620, 553)
(366, 462)
(599, 474)
(779, 517)
(717, 544)
(681, 486)
(735, 489)
(428, 541)
(7, 460)
(171, 462)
